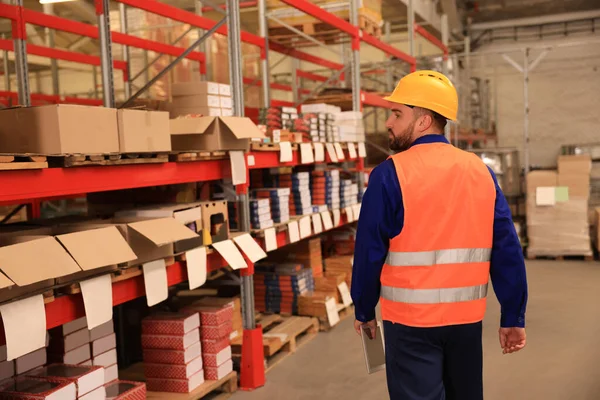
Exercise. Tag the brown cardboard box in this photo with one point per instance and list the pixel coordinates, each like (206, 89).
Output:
(215, 221)
(197, 100)
(194, 88)
(218, 133)
(59, 129)
(541, 178)
(143, 131)
(203, 111)
(579, 164)
(578, 184)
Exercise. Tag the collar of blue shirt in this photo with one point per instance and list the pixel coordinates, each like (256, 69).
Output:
(432, 138)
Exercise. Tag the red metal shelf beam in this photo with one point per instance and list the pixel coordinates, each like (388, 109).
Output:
(374, 100)
(431, 38)
(273, 85)
(53, 99)
(310, 75)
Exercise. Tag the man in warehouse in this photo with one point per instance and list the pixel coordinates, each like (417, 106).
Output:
(433, 226)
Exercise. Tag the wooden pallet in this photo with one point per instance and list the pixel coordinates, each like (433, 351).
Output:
(82, 160)
(197, 156)
(344, 313)
(369, 26)
(22, 161)
(270, 146)
(580, 257)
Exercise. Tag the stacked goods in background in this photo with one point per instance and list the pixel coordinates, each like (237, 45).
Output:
(277, 286)
(341, 242)
(279, 199)
(306, 252)
(350, 126)
(172, 352)
(326, 188)
(260, 213)
(301, 200)
(557, 209)
(349, 193)
(339, 265)
(325, 129)
(278, 118)
(201, 99)
(224, 302)
(87, 380)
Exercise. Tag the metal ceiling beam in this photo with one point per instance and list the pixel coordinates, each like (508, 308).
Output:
(541, 20)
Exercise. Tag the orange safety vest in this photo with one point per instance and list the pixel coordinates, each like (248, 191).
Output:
(436, 272)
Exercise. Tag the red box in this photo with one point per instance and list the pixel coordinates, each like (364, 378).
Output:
(216, 332)
(170, 342)
(171, 323)
(85, 379)
(211, 315)
(174, 357)
(213, 346)
(125, 390)
(214, 360)
(25, 388)
(176, 385)
(173, 371)
(216, 373)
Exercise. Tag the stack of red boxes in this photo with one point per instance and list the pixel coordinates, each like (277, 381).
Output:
(125, 390)
(172, 352)
(89, 381)
(215, 331)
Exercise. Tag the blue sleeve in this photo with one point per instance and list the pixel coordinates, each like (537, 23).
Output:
(507, 265)
(381, 218)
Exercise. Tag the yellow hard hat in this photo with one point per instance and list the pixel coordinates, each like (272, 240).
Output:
(427, 89)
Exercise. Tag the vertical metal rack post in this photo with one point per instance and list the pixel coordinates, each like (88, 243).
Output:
(126, 56)
(355, 71)
(264, 55)
(20, 46)
(106, 60)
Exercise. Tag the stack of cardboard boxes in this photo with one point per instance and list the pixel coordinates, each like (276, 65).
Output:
(557, 209)
(350, 126)
(278, 286)
(201, 99)
(88, 380)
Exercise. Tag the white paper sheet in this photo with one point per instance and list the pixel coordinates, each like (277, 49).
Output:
(24, 326)
(545, 196)
(251, 160)
(285, 152)
(249, 246)
(97, 300)
(319, 152)
(231, 254)
(317, 224)
(270, 239)
(356, 211)
(306, 153)
(331, 152)
(155, 282)
(352, 150)
(305, 230)
(332, 313)
(293, 231)
(338, 151)
(196, 267)
(327, 222)
(238, 167)
(349, 214)
(362, 150)
(345, 293)
(337, 217)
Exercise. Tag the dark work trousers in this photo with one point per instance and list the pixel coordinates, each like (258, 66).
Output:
(441, 363)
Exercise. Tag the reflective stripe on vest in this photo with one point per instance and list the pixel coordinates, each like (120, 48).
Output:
(437, 257)
(434, 296)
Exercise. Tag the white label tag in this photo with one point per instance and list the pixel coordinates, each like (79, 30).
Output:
(332, 313)
(331, 152)
(196, 267)
(155, 282)
(270, 239)
(319, 152)
(231, 254)
(345, 293)
(352, 150)
(294, 231)
(362, 151)
(356, 211)
(338, 151)
(305, 230)
(249, 246)
(97, 300)
(327, 222)
(238, 167)
(337, 217)
(349, 214)
(251, 160)
(306, 153)
(285, 152)
(317, 224)
(24, 326)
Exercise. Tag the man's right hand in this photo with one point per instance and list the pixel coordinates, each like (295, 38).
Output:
(512, 339)
(370, 326)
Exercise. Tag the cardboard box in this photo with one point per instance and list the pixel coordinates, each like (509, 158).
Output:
(59, 129)
(111, 373)
(64, 344)
(102, 330)
(578, 184)
(173, 357)
(215, 221)
(25, 388)
(73, 357)
(173, 371)
(220, 372)
(72, 326)
(541, 178)
(224, 89)
(176, 385)
(224, 133)
(170, 342)
(87, 363)
(96, 394)
(30, 361)
(86, 379)
(226, 102)
(576, 164)
(170, 323)
(216, 332)
(214, 346)
(198, 100)
(143, 131)
(104, 344)
(217, 359)
(125, 390)
(194, 88)
(193, 112)
(212, 315)
(105, 359)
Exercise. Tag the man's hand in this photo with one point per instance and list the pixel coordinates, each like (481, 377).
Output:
(371, 326)
(512, 339)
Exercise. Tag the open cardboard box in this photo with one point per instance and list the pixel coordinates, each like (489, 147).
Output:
(215, 221)
(143, 131)
(213, 133)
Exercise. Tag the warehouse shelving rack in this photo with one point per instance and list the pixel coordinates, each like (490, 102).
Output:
(33, 186)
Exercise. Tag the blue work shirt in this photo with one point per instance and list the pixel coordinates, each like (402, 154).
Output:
(382, 218)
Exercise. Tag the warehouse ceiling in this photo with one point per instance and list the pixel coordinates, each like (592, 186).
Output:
(497, 10)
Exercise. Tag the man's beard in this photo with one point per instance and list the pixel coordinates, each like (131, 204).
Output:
(402, 142)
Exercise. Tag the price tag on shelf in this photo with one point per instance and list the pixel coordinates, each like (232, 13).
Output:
(249, 246)
(24, 335)
(306, 153)
(333, 317)
(338, 151)
(362, 151)
(337, 217)
(345, 294)
(195, 260)
(97, 300)
(305, 230)
(285, 152)
(317, 224)
(356, 211)
(319, 152)
(238, 167)
(251, 160)
(231, 254)
(293, 231)
(352, 150)
(331, 152)
(349, 214)
(270, 239)
(155, 282)
(327, 222)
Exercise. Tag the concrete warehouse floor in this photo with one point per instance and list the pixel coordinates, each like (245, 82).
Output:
(560, 361)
